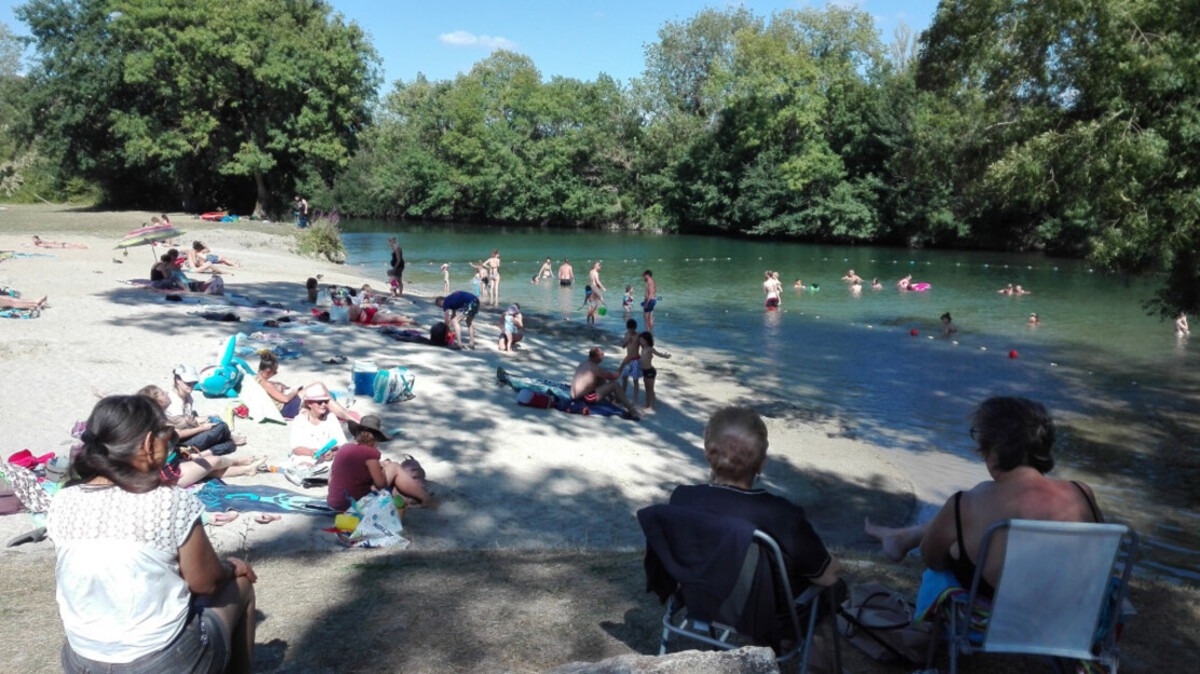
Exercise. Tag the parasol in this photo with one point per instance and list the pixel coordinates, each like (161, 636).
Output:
(149, 235)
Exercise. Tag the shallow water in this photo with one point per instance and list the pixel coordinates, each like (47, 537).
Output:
(1123, 389)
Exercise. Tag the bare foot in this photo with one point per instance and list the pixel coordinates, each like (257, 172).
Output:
(267, 518)
(239, 439)
(888, 537)
(242, 468)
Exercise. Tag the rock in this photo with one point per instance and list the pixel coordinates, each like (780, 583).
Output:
(747, 660)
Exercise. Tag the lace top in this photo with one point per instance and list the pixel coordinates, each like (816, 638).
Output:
(120, 593)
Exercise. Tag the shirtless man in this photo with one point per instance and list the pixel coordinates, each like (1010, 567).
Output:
(905, 282)
(650, 301)
(852, 277)
(771, 290)
(597, 287)
(1181, 325)
(592, 383)
(492, 264)
(566, 274)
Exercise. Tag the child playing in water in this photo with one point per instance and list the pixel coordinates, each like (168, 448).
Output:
(445, 278)
(648, 352)
(631, 367)
(627, 302)
(591, 300)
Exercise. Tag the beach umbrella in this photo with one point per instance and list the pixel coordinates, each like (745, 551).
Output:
(149, 235)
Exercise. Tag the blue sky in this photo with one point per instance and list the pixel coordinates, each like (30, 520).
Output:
(572, 38)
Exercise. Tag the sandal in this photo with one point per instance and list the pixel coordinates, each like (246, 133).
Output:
(221, 519)
(267, 518)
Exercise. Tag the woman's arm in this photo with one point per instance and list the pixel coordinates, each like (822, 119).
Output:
(200, 568)
(939, 537)
(377, 476)
(275, 391)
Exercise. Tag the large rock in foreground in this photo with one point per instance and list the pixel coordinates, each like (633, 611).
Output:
(748, 660)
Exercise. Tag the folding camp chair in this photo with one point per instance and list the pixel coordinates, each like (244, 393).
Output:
(1061, 594)
(714, 620)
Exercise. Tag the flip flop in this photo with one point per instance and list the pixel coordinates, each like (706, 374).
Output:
(36, 536)
(221, 519)
(267, 518)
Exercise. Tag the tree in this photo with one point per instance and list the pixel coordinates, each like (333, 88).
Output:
(195, 97)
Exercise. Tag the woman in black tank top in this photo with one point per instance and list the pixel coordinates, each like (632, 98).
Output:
(1015, 438)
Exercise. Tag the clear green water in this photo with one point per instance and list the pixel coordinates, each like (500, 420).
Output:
(1095, 357)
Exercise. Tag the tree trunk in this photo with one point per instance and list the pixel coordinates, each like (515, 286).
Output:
(260, 199)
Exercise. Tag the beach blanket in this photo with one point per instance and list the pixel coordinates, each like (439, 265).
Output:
(20, 313)
(560, 393)
(218, 496)
(10, 254)
(405, 335)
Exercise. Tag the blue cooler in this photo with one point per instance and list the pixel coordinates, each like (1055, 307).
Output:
(363, 374)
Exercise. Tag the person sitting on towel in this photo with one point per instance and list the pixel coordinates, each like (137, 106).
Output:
(285, 398)
(315, 428)
(592, 383)
(359, 468)
(211, 434)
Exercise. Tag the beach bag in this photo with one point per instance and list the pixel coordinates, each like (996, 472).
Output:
(379, 523)
(393, 385)
(879, 622)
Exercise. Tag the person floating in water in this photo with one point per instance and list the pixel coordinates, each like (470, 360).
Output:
(905, 283)
(948, 325)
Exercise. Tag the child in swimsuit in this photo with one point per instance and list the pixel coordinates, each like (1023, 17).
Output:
(627, 301)
(646, 360)
(631, 367)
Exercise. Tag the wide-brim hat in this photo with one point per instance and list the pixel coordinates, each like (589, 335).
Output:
(370, 423)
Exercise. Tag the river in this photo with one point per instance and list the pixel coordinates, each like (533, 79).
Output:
(1124, 390)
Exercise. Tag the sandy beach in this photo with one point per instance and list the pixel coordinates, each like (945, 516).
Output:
(508, 477)
(535, 537)
(531, 560)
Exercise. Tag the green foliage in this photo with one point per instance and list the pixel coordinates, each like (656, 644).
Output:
(322, 238)
(195, 99)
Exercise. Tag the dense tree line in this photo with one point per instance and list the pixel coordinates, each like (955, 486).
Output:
(1054, 125)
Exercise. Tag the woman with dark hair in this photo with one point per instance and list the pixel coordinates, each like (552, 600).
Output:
(140, 588)
(1015, 438)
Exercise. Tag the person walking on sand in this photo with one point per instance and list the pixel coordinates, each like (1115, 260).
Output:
(592, 383)
(396, 268)
(597, 287)
(566, 274)
(650, 301)
(542, 272)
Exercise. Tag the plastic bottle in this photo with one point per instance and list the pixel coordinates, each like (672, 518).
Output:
(57, 470)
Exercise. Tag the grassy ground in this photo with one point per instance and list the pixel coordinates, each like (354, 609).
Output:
(480, 611)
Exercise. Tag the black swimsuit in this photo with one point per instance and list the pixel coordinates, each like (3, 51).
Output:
(964, 569)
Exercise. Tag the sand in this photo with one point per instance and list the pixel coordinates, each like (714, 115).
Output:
(507, 477)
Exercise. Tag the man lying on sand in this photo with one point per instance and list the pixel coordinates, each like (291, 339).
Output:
(592, 383)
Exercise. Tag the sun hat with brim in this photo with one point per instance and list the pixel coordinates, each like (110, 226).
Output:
(314, 392)
(370, 423)
(186, 373)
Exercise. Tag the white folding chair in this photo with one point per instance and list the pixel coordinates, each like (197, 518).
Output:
(1060, 593)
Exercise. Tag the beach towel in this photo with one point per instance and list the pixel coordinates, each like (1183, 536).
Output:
(217, 496)
(258, 402)
(560, 393)
(405, 335)
(20, 313)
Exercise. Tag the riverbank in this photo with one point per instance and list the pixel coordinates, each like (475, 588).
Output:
(509, 478)
(532, 559)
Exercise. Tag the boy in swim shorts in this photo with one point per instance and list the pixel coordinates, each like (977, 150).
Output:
(630, 367)
(648, 352)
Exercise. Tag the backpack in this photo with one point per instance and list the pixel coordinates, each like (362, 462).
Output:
(393, 385)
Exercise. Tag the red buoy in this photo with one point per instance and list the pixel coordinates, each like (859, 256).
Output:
(914, 332)
(1013, 354)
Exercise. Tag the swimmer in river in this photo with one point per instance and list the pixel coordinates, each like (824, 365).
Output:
(799, 285)
(1018, 290)
(770, 288)
(1181, 325)
(948, 325)
(1034, 320)
(1006, 290)
(852, 277)
(875, 284)
(905, 282)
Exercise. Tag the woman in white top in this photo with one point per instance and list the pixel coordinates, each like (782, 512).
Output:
(139, 586)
